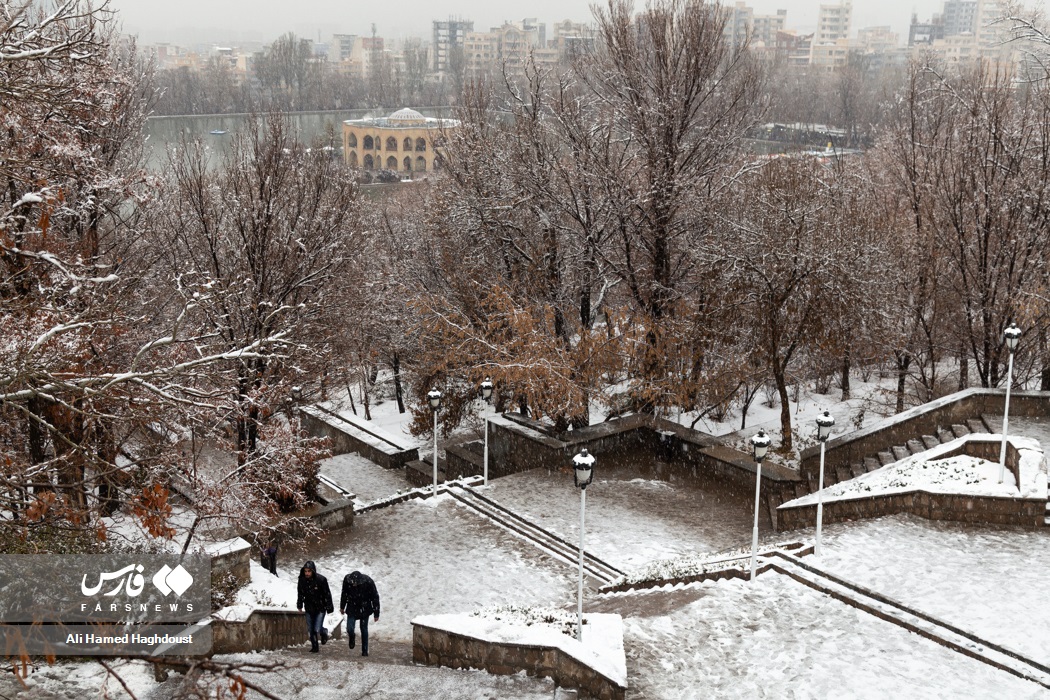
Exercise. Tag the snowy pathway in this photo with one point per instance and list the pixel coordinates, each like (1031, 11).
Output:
(779, 639)
(989, 581)
(631, 521)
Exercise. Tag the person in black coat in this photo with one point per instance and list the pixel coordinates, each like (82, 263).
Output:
(269, 557)
(316, 597)
(358, 600)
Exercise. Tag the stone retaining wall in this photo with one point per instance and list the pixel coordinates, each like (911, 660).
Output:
(233, 558)
(435, 647)
(932, 506)
(346, 437)
(265, 628)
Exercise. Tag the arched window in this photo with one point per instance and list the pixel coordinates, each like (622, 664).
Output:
(421, 144)
(407, 145)
(351, 160)
(408, 164)
(421, 164)
(391, 143)
(352, 141)
(391, 163)
(367, 143)
(369, 163)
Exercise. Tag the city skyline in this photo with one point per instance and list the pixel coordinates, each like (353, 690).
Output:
(264, 20)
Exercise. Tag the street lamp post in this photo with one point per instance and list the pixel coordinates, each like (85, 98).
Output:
(825, 421)
(486, 393)
(760, 443)
(434, 397)
(1011, 335)
(583, 474)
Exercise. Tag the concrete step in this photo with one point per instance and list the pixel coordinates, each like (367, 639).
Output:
(857, 470)
(871, 464)
(930, 441)
(976, 425)
(900, 452)
(814, 486)
(886, 458)
(801, 489)
(915, 446)
(945, 435)
(960, 430)
(843, 473)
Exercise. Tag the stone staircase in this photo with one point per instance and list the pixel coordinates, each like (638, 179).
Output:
(898, 452)
(880, 459)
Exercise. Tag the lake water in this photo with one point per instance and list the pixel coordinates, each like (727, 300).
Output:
(163, 132)
(312, 127)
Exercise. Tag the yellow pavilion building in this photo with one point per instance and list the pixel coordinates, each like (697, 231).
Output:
(405, 142)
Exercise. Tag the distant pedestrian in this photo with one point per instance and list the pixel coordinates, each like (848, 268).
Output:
(358, 600)
(269, 557)
(316, 597)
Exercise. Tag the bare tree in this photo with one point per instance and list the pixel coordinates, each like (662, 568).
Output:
(679, 102)
(260, 242)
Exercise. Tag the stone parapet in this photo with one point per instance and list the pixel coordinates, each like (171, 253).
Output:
(932, 506)
(264, 629)
(348, 434)
(432, 646)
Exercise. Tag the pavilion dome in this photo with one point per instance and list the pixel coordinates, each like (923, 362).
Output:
(406, 115)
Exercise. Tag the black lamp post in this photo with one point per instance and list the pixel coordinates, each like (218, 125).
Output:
(1011, 336)
(825, 422)
(486, 393)
(759, 444)
(434, 398)
(582, 475)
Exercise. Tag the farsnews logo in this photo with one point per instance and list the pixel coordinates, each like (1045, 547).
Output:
(166, 580)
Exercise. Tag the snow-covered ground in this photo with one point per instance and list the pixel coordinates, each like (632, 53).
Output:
(989, 581)
(776, 638)
(363, 478)
(435, 556)
(771, 638)
(631, 520)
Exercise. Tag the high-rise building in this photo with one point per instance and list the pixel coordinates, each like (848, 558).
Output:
(834, 22)
(922, 33)
(341, 47)
(449, 36)
(741, 21)
(960, 17)
(767, 26)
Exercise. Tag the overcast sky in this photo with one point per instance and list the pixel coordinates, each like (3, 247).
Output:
(230, 21)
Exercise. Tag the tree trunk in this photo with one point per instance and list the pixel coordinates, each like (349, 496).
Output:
(903, 361)
(365, 401)
(37, 445)
(964, 367)
(1044, 374)
(785, 406)
(846, 361)
(398, 392)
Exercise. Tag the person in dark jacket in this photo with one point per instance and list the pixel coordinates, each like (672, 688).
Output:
(316, 597)
(269, 557)
(358, 600)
